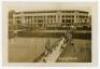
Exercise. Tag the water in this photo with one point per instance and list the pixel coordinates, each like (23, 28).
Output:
(79, 52)
(27, 49)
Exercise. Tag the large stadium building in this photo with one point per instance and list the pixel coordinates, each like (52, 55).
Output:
(51, 19)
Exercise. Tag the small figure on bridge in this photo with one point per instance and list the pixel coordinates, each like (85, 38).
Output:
(68, 36)
(48, 47)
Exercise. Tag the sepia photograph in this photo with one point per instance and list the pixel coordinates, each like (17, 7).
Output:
(48, 32)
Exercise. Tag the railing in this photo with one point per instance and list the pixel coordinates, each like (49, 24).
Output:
(56, 51)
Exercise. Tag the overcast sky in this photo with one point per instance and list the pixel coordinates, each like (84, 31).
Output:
(30, 6)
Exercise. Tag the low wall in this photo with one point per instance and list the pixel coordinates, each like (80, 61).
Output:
(80, 35)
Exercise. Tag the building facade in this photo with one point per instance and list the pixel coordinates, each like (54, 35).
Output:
(50, 19)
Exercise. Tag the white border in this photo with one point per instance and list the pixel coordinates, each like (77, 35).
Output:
(5, 42)
(95, 28)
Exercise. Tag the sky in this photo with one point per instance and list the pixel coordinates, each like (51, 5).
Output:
(20, 6)
(39, 6)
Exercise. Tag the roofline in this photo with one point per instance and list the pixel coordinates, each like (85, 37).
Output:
(53, 11)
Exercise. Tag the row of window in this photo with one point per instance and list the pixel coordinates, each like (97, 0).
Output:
(67, 21)
(50, 16)
(49, 19)
(82, 16)
(68, 16)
